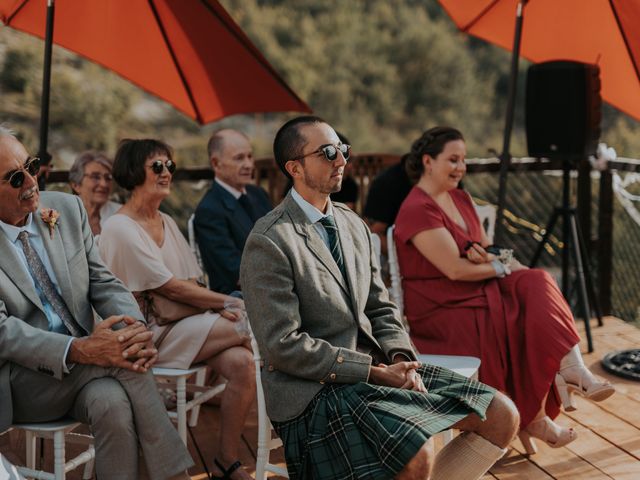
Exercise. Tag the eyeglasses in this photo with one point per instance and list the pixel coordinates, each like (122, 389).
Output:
(15, 178)
(330, 152)
(96, 177)
(158, 166)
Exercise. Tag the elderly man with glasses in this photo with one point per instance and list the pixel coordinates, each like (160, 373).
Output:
(53, 361)
(342, 385)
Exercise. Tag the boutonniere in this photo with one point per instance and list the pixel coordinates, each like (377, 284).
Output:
(50, 217)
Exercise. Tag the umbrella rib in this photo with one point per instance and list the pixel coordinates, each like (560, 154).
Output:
(252, 50)
(16, 11)
(483, 12)
(625, 40)
(187, 88)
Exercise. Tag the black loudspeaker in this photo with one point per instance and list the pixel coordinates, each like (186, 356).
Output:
(563, 110)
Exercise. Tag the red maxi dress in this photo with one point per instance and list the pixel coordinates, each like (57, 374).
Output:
(519, 326)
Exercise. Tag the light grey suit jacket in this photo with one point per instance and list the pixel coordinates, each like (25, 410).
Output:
(84, 282)
(305, 315)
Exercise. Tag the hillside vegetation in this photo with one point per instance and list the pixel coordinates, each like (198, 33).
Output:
(380, 71)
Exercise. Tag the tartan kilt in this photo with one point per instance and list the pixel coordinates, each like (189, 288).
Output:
(365, 431)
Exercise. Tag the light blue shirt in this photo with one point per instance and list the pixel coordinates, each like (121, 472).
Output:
(314, 215)
(12, 232)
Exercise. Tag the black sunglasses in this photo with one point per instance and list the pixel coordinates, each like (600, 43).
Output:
(158, 166)
(15, 178)
(330, 152)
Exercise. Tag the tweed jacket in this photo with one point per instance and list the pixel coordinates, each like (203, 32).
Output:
(222, 227)
(305, 315)
(84, 282)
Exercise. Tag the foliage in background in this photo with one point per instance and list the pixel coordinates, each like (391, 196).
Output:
(380, 72)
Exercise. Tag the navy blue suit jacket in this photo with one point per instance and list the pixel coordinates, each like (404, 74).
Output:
(222, 227)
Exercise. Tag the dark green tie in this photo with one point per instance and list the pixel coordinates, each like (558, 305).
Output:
(334, 242)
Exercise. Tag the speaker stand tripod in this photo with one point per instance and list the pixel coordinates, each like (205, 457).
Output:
(572, 242)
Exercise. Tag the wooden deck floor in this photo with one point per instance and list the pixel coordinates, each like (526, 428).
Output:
(608, 445)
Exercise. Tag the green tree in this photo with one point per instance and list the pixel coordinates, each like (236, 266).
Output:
(89, 109)
(19, 69)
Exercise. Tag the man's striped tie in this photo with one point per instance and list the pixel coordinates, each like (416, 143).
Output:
(329, 225)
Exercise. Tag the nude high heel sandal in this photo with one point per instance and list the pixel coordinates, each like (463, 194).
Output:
(592, 389)
(575, 377)
(549, 432)
(565, 395)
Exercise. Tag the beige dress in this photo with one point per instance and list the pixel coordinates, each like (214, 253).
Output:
(136, 259)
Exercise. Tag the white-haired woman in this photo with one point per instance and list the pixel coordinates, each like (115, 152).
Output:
(91, 179)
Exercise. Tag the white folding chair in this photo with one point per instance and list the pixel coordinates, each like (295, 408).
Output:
(266, 440)
(377, 246)
(395, 290)
(60, 431)
(195, 249)
(487, 215)
(467, 366)
(176, 378)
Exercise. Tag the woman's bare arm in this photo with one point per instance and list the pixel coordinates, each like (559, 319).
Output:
(438, 246)
(192, 294)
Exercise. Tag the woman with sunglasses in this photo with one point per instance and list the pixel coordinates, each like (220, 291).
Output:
(91, 179)
(462, 300)
(145, 249)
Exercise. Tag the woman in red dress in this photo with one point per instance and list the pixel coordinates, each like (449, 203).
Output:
(461, 300)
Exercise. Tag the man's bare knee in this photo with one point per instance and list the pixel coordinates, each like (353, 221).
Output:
(420, 466)
(502, 421)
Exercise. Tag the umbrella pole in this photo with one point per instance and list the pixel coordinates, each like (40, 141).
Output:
(46, 82)
(505, 157)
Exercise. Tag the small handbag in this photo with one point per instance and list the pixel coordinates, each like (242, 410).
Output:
(163, 311)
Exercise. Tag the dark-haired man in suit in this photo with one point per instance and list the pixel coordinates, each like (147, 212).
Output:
(229, 209)
(342, 385)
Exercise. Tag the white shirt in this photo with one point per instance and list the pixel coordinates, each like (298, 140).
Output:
(314, 215)
(233, 191)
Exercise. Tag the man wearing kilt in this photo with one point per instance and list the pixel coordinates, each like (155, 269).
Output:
(342, 387)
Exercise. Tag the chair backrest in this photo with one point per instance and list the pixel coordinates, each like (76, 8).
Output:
(395, 290)
(377, 246)
(487, 214)
(192, 239)
(266, 442)
(195, 249)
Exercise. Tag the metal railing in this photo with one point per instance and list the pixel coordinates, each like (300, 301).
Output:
(595, 198)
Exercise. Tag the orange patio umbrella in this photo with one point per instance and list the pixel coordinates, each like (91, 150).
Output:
(602, 32)
(189, 53)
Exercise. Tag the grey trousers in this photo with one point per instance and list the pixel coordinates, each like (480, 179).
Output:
(122, 408)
